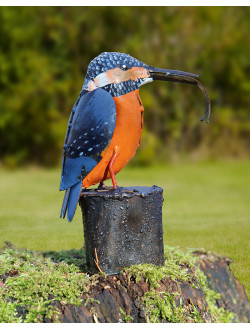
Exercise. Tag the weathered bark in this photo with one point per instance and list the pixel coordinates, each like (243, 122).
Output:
(121, 291)
(221, 279)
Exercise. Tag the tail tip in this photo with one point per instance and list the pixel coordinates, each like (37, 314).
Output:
(69, 219)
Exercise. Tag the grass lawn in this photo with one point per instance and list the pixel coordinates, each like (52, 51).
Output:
(206, 205)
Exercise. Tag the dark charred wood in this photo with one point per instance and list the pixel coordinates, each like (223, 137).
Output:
(122, 227)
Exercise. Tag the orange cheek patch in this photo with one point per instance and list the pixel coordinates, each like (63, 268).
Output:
(117, 76)
(139, 73)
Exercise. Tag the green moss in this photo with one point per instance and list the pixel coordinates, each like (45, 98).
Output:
(91, 300)
(37, 282)
(33, 280)
(161, 306)
(71, 257)
(180, 266)
(126, 318)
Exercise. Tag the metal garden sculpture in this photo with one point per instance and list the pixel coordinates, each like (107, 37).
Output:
(106, 122)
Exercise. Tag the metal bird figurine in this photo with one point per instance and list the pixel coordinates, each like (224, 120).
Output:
(105, 125)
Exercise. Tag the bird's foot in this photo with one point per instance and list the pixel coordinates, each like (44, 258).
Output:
(104, 188)
(101, 186)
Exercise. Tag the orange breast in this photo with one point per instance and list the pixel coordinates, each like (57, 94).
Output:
(126, 138)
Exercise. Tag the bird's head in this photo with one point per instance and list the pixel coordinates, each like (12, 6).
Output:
(120, 74)
(117, 73)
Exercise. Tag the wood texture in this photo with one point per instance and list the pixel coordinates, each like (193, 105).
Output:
(121, 291)
(122, 227)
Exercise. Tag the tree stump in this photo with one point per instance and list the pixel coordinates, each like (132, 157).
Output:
(122, 227)
(192, 286)
(118, 298)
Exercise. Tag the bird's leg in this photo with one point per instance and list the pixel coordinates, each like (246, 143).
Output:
(111, 170)
(101, 186)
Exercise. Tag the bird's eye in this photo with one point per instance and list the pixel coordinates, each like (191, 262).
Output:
(124, 67)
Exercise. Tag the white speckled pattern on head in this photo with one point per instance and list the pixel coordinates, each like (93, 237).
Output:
(120, 64)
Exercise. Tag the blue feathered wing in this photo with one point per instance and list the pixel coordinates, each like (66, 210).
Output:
(90, 130)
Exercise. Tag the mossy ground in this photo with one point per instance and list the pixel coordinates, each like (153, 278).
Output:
(180, 265)
(31, 281)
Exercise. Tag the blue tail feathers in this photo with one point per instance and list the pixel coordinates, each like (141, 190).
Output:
(65, 203)
(70, 201)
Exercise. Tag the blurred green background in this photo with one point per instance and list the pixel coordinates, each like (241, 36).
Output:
(45, 51)
(204, 169)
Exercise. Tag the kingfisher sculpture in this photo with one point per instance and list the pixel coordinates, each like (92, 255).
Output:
(106, 122)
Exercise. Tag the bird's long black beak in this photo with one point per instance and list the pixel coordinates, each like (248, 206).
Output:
(181, 77)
